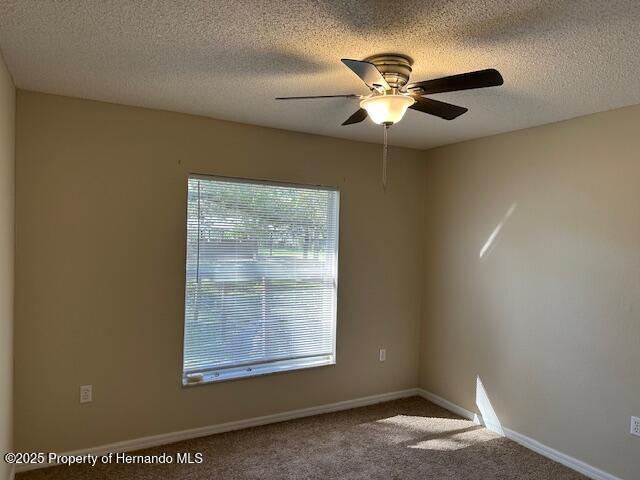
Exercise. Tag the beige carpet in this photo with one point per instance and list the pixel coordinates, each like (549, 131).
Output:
(403, 439)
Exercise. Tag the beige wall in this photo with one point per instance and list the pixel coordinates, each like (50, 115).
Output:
(101, 192)
(546, 313)
(7, 136)
(548, 318)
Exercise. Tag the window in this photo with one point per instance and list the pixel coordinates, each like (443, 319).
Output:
(261, 283)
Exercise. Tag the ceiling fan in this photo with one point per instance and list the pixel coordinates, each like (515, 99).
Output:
(387, 77)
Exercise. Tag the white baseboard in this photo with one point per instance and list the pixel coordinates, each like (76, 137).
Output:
(573, 463)
(167, 438)
(452, 407)
(555, 455)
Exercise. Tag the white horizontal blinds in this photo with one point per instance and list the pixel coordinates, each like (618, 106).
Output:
(261, 274)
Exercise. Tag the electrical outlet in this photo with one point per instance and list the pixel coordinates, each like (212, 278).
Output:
(635, 426)
(383, 354)
(86, 393)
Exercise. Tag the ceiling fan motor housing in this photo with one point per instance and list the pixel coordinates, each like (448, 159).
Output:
(395, 68)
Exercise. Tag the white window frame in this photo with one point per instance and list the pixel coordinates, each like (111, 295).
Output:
(283, 365)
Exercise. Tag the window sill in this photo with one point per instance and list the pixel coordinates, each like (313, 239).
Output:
(217, 376)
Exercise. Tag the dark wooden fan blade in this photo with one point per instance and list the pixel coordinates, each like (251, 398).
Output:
(368, 72)
(464, 81)
(357, 117)
(350, 95)
(437, 108)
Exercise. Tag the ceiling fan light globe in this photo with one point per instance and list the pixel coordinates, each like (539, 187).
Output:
(386, 109)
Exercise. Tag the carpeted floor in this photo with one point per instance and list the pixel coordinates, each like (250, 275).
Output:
(404, 439)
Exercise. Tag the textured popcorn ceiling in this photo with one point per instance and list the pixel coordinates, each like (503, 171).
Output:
(228, 60)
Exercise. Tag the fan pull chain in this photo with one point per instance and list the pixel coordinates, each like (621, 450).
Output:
(384, 159)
